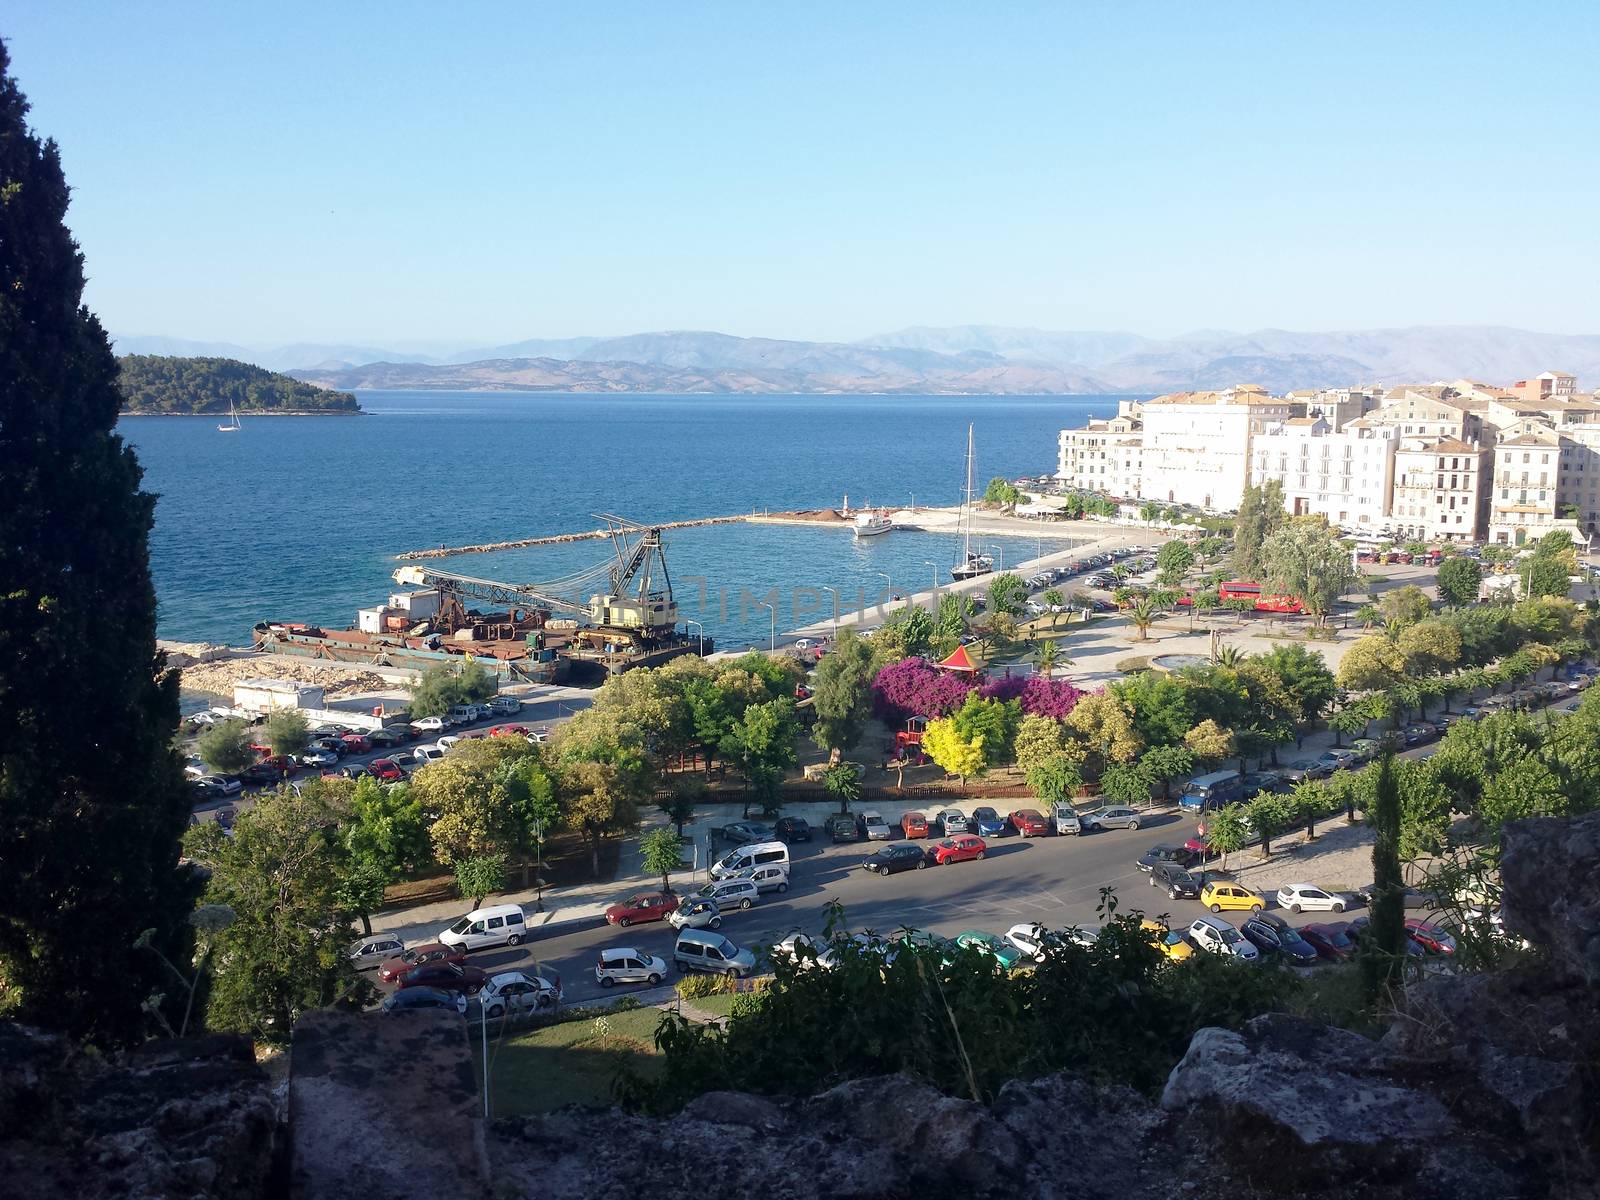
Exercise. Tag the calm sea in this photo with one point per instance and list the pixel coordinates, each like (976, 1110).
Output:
(296, 518)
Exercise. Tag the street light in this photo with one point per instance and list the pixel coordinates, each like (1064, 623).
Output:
(835, 592)
(889, 583)
(700, 640)
(772, 636)
(536, 828)
(935, 568)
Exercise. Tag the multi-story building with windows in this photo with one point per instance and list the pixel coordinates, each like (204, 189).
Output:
(1441, 489)
(1197, 444)
(1345, 475)
(1103, 456)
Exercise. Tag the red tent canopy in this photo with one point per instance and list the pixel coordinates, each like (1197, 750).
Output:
(959, 660)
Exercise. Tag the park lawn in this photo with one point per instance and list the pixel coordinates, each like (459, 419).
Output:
(717, 1006)
(569, 1063)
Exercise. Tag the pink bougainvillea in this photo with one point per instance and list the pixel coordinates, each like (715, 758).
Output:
(914, 687)
(1049, 697)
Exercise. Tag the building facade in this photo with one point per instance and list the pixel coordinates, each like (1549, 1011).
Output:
(1104, 457)
(1197, 444)
(1441, 489)
(1345, 475)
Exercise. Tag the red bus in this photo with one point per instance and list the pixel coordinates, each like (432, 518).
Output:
(1244, 589)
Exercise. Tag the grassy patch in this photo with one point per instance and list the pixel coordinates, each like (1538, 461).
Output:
(570, 1063)
(719, 1006)
(1132, 666)
(1334, 992)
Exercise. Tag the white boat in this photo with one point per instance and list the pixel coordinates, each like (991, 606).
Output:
(871, 524)
(973, 563)
(233, 423)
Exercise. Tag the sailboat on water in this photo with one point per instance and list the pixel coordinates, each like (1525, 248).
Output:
(233, 420)
(971, 564)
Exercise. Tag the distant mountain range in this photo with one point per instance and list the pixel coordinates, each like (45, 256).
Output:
(980, 359)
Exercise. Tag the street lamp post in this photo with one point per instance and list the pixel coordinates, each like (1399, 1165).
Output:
(835, 592)
(537, 830)
(772, 636)
(934, 567)
(700, 639)
(889, 583)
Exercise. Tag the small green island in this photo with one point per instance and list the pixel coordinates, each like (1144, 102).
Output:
(158, 384)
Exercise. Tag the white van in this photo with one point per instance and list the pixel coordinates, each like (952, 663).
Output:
(759, 854)
(499, 924)
(505, 706)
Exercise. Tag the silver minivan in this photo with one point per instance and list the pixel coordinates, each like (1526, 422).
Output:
(624, 964)
(496, 925)
(730, 893)
(702, 950)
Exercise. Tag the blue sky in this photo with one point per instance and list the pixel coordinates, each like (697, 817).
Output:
(478, 173)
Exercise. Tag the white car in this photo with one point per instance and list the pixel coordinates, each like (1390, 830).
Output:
(518, 992)
(316, 757)
(874, 826)
(1034, 939)
(229, 785)
(1305, 896)
(789, 949)
(805, 643)
(430, 725)
(1216, 936)
(539, 735)
(447, 741)
(624, 964)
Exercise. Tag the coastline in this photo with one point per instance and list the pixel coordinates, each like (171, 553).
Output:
(272, 412)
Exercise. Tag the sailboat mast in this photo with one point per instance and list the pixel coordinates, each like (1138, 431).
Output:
(966, 506)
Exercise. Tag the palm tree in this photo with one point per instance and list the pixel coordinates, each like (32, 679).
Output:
(1150, 511)
(1143, 614)
(1229, 656)
(1120, 572)
(1049, 656)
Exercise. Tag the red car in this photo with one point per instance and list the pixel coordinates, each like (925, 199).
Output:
(393, 968)
(914, 825)
(359, 743)
(1029, 822)
(646, 906)
(447, 976)
(386, 770)
(1329, 941)
(1430, 937)
(281, 763)
(502, 730)
(959, 849)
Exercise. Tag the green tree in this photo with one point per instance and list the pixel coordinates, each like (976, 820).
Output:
(994, 723)
(599, 800)
(1371, 664)
(281, 873)
(1174, 559)
(955, 611)
(92, 816)
(1228, 831)
(1404, 606)
(1384, 949)
(1269, 816)
(1304, 674)
(1142, 615)
(1038, 738)
(1546, 576)
(1054, 601)
(1150, 512)
(1007, 594)
(1429, 647)
(480, 877)
(842, 694)
(761, 745)
(682, 800)
(1261, 513)
(1209, 742)
(1304, 559)
(385, 834)
(1163, 764)
(1459, 579)
(1349, 721)
(1047, 657)
(1125, 783)
(466, 794)
(225, 747)
(843, 782)
(1208, 548)
(1054, 779)
(1003, 492)
(443, 686)
(286, 731)
(661, 852)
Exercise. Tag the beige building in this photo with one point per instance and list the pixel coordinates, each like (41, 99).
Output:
(1544, 476)
(1441, 489)
(1545, 385)
(1104, 457)
(1197, 444)
(1435, 410)
(1345, 475)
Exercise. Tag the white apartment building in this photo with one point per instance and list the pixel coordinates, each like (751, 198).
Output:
(1345, 475)
(1197, 445)
(1441, 489)
(1437, 410)
(1104, 457)
(1542, 476)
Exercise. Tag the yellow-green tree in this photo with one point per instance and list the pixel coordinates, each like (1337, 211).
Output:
(1209, 742)
(1101, 727)
(956, 753)
(1371, 664)
(1429, 647)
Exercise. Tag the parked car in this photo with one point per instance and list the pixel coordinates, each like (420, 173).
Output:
(766, 878)
(386, 769)
(896, 858)
(204, 791)
(805, 952)
(1330, 941)
(987, 822)
(1365, 749)
(1257, 782)
(731, 892)
(430, 725)
(374, 951)
(696, 912)
(447, 976)
(227, 783)
(1034, 939)
(1028, 822)
(1179, 884)
(624, 964)
(641, 907)
(997, 948)
(1302, 769)
(959, 849)
(391, 969)
(417, 998)
(518, 992)
(1216, 936)
(873, 827)
(1066, 820)
(1163, 853)
(1419, 732)
(743, 832)
(1273, 935)
(313, 756)
(914, 825)
(1114, 816)
(281, 763)
(259, 773)
(1299, 897)
(1333, 760)
(359, 743)
(842, 828)
(792, 829)
(509, 730)
(1221, 895)
(700, 950)
(1358, 929)
(1410, 897)
(1173, 943)
(952, 821)
(1430, 937)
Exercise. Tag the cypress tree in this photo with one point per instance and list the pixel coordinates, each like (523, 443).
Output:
(1385, 954)
(92, 796)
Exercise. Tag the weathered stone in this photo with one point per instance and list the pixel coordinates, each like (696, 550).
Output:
(1550, 888)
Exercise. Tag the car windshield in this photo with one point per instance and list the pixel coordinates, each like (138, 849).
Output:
(1229, 936)
(461, 926)
(727, 949)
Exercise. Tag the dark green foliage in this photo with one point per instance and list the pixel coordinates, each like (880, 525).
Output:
(1459, 579)
(225, 747)
(442, 686)
(286, 731)
(480, 877)
(157, 384)
(1384, 948)
(1113, 1012)
(1260, 514)
(1007, 594)
(91, 812)
(842, 692)
(843, 784)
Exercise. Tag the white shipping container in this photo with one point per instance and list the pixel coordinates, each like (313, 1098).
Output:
(415, 605)
(370, 620)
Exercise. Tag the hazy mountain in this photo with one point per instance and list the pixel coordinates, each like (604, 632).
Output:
(1034, 345)
(563, 348)
(277, 357)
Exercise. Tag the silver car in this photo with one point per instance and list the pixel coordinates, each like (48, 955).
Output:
(696, 913)
(1116, 816)
(624, 964)
(518, 992)
(372, 951)
(953, 820)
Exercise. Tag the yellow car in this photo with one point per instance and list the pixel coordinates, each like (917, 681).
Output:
(1170, 942)
(1220, 896)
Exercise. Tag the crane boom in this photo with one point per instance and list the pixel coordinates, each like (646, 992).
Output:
(511, 594)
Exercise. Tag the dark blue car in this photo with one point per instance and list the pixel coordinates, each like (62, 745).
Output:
(988, 822)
